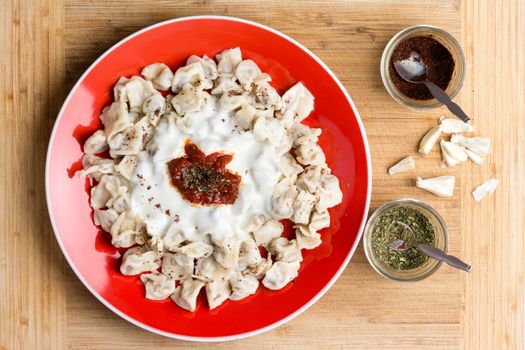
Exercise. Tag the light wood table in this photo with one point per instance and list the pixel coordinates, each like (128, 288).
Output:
(46, 44)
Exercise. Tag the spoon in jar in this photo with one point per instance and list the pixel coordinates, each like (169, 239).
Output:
(402, 245)
(414, 70)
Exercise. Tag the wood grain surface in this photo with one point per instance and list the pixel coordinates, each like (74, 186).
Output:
(45, 45)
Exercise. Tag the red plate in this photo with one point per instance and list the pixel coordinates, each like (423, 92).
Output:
(88, 249)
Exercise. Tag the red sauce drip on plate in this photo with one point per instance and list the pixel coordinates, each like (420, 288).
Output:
(204, 179)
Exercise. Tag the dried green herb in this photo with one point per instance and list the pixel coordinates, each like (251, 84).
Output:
(387, 230)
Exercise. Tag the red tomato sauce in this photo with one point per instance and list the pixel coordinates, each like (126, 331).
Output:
(204, 179)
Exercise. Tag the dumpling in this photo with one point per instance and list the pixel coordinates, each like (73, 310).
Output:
(178, 266)
(246, 72)
(137, 91)
(302, 134)
(159, 74)
(302, 207)
(297, 103)
(119, 90)
(196, 250)
(306, 239)
(243, 286)
(230, 102)
(115, 118)
(186, 293)
(96, 143)
(154, 107)
(267, 96)
(269, 230)
(124, 230)
(269, 130)
(121, 201)
(173, 237)
(319, 220)
(106, 189)
(249, 255)
(129, 141)
(310, 179)
(105, 218)
(284, 250)
(329, 193)
(310, 154)
(227, 252)
(283, 199)
(289, 167)
(126, 167)
(208, 66)
(208, 269)
(158, 286)
(244, 116)
(258, 271)
(217, 292)
(96, 167)
(280, 274)
(193, 75)
(228, 61)
(189, 99)
(226, 85)
(138, 260)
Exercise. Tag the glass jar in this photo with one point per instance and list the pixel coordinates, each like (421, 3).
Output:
(444, 38)
(421, 272)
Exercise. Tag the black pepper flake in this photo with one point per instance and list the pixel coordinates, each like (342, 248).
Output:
(149, 187)
(157, 206)
(177, 219)
(168, 212)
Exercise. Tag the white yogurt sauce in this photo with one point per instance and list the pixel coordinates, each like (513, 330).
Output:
(160, 204)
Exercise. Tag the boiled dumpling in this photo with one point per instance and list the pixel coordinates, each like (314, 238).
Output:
(138, 260)
(115, 118)
(137, 91)
(186, 293)
(96, 143)
(242, 286)
(298, 103)
(159, 74)
(217, 292)
(268, 231)
(246, 72)
(158, 286)
(284, 250)
(208, 66)
(228, 61)
(196, 250)
(302, 207)
(280, 274)
(177, 265)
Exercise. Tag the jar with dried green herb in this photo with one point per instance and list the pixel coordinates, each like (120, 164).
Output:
(387, 229)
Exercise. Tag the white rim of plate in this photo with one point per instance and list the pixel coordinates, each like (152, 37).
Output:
(259, 330)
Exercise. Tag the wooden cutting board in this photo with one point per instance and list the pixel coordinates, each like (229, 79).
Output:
(45, 47)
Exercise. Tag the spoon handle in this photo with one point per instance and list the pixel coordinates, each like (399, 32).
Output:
(442, 256)
(442, 97)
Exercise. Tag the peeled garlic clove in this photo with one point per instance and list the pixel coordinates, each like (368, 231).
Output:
(476, 158)
(479, 145)
(442, 185)
(484, 189)
(454, 151)
(429, 140)
(403, 165)
(454, 125)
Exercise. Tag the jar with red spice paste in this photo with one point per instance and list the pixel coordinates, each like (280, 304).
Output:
(441, 53)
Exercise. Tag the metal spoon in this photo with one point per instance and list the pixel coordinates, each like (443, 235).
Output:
(401, 245)
(414, 70)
